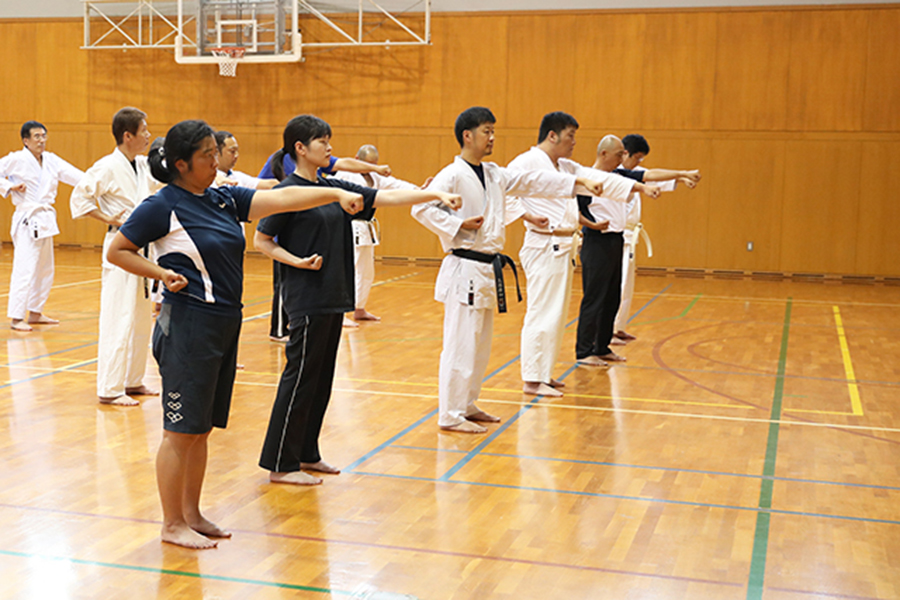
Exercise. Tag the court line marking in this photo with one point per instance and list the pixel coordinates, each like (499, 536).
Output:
(394, 547)
(641, 309)
(756, 580)
(681, 316)
(157, 570)
(855, 402)
(47, 374)
(768, 511)
(64, 285)
(25, 360)
(652, 468)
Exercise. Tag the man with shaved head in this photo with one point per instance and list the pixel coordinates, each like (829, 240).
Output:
(601, 255)
(365, 233)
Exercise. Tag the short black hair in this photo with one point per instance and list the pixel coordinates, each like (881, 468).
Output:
(472, 118)
(635, 143)
(129, 120)
(221, 136)
(29, 125)
(556, 122)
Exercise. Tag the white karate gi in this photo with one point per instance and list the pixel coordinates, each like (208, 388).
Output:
(365, 233)
(242, 179)
(33, 225)
(466, 287)
(548, 262)
(631, 234)
(111, 186)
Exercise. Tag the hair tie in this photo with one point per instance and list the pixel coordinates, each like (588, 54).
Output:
(162, 151)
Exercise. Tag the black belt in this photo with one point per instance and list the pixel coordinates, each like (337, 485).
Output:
(498, 261)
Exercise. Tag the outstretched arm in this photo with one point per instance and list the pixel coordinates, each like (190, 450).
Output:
(408, 197)
(666, 174)
(353, 165)
(295, 198)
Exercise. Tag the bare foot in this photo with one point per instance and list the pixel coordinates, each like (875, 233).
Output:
(281, 340)
(465, 427)
(349, 323)
(321, 467)
(361, 314)
(624, 335)
(187, 537)
(141, 390)
(537, 388)
(617, 342)
(613, 357)
(295, 478)
(119, 401)
(209, 529)
(482, 416)
(592, 361)
(20, 325)
(39, 319)
(556, 383)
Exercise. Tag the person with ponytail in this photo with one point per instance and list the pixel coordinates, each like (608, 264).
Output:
(315, 295)
(199, 246)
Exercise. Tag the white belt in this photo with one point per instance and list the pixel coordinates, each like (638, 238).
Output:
(641, 233)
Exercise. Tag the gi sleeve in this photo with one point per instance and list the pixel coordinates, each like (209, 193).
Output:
(538, 184)
(68, 173)
(5, 166)
(435, 216)
(84, 198)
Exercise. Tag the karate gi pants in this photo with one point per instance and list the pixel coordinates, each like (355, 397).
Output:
(549, 280)
(628, 274)
(125, 327)
(601, 275)
(364, 259)
(464, 359)
(32, 273)
(303, 393)
(278, 323)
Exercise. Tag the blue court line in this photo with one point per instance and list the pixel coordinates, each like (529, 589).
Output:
(473, 453)
(511, 362)
(24, 360)
(649, 302)
(54, 372)
(95, 563)
(652, 468)
(525, 488)
(378, 449)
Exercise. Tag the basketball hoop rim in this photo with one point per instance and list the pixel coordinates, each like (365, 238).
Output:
(233, 52)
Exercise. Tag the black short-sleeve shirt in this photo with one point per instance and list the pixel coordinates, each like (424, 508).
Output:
(325, 231)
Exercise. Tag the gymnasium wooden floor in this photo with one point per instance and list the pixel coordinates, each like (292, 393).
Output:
(748, 449)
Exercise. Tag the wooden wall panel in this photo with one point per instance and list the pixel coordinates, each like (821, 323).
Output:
(882, 72)
(679, 72)
(474, 57)
(609, 70)
(879, 210)
(827, 73)
(745, 179)
(752, 58)
(737, 92)
(820, 218)
(677, 222)
(541, 68)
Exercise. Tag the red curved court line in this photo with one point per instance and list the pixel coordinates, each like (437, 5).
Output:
(692, 350)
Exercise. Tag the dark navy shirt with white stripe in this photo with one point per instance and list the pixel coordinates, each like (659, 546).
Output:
(200, 237)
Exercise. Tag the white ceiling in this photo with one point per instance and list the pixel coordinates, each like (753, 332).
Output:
(74, 8)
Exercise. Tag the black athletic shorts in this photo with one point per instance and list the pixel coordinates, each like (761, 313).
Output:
(197, 356)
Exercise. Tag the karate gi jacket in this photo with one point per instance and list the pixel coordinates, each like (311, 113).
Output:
(113, 185)
(34, 207)
(468, 281)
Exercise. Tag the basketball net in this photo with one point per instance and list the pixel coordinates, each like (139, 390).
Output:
(228, 60)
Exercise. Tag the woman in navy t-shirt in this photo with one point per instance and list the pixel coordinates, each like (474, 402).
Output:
(200, 247)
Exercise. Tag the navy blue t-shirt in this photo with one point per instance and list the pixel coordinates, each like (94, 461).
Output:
(326, 231)
(200, 237)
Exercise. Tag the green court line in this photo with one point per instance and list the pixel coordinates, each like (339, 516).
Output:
(682, 315)
(94, 563)
(763, 518)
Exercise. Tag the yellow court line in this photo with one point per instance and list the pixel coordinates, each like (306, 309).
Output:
(819, 412)
(855, 402)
